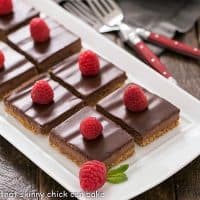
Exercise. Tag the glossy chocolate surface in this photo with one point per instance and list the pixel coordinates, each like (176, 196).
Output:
(60, 38)
(22, 12)
(158, 111)
(112, 139)
(68, 73)
(15, 64)
(43, 114)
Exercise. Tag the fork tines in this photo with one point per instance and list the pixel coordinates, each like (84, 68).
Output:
(107, 11)
(103, 6)
(80, 9)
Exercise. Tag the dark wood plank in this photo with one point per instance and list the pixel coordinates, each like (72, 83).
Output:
(163, 191)
(198, 31)
(18, 176)
(187, 181)
(52, 189)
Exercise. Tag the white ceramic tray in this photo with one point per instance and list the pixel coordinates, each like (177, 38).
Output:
(150, 165)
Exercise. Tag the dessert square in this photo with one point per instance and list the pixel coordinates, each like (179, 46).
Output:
(61, 44)
(160, 116)
(91, 89)
(112, 147)
(22, 13)
(41, 118)
(16, 70)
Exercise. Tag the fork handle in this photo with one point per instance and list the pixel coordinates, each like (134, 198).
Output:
(169, 43)
(174, 45)
(147, 55)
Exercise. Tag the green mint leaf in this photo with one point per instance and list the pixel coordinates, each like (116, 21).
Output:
(117, 178)
(120, 169)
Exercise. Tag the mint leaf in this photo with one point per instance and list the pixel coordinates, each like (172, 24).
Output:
(120, 169)
(118, 178)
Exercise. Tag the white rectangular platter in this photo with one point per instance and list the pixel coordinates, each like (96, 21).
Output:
(150, 165)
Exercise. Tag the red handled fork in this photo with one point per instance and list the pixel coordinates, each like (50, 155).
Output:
(111, 15)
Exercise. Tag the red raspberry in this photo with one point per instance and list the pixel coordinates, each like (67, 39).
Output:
(92, 175)
(89, 63)
(135, 99)
(39, 30)
(42, 92)
(6, 7)
(2, 60)
(91, 128)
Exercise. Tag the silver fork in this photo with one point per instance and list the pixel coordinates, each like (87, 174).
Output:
(81, 10)
(111, 15)
(107, 11)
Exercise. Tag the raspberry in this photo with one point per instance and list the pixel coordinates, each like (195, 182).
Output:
(6, 7)
(91, 128)
(2, 60)
(39, 30)
(89, 63)
(92, 175)
(135, 99)
(42, 92)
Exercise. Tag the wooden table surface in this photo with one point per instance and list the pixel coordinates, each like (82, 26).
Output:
(20, 177)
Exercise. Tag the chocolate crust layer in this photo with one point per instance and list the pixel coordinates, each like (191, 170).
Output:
(41, 118)
(114, 146)
(144, 126)
(62, 44)
(91, 89)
